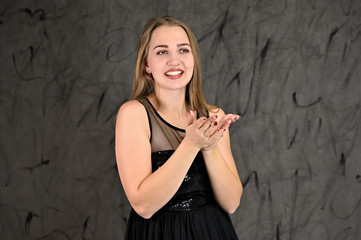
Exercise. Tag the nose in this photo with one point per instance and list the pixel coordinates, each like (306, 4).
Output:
(173, 60)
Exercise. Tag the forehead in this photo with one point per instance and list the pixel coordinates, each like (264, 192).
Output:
(168, 35)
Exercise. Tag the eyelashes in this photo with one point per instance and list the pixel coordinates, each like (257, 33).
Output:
(182, 50)
(162, 52)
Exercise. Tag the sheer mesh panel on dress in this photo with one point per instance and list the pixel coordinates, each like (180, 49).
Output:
(164, 136)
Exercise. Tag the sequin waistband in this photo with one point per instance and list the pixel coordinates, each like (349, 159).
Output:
(191, 202)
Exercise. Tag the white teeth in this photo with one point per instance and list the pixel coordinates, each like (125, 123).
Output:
(173, 73)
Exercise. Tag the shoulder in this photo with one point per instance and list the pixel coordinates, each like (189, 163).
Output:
(132, 106)
(132, 111)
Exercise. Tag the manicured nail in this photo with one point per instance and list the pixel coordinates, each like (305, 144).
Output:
(214, 117)
(204, 119)
(215, 123)
(230, 123)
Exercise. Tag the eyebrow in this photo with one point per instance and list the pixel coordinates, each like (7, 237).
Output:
(166, 46)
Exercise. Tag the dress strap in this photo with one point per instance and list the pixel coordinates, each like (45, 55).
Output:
(164, 136)
(149, 121)
(162, 119)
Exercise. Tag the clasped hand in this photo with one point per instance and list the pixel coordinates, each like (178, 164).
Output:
(206, 132)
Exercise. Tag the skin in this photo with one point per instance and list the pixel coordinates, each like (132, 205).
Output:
(169, 51)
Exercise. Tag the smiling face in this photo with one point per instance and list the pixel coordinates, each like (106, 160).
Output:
(170, 59)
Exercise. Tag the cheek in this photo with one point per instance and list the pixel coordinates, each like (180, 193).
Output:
(151, 65)
(191, 63)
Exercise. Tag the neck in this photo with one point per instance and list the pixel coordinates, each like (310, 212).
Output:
(171, 103)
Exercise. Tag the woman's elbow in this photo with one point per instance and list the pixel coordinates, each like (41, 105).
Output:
(141, 205)
(233, 207)
(235, 204)
(143, 214)
(143, 210)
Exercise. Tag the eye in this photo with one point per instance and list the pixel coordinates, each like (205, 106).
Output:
(161, 52)
(184, 50)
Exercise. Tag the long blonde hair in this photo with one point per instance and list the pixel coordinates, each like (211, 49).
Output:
(143, 84)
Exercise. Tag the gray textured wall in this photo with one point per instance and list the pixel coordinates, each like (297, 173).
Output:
(292, 68)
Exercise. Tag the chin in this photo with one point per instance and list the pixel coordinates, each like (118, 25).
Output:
(176, 85)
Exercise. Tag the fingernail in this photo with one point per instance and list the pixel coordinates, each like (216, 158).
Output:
(204, 119)
(230, 123)
(224, 130)
(215, 123)
(214, 117)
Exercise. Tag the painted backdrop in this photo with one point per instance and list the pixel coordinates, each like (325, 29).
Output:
(292, 68)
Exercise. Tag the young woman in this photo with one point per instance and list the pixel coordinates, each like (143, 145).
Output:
(172, 148)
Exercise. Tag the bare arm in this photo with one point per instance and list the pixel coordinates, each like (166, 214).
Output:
(147, 192)
(222, 170)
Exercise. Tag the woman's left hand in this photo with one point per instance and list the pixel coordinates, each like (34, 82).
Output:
(222, 126)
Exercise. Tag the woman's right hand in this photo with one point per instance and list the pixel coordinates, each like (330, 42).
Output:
(203, 132)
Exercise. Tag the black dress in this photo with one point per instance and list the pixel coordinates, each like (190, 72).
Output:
(192, 213)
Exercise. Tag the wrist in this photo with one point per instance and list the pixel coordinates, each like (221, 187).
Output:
(190, 146)
(210, 150)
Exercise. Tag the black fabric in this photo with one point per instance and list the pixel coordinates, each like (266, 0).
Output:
(192, 213)
(206, 223)
(195, 191)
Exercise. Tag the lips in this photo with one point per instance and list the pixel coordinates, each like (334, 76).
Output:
(174, 73)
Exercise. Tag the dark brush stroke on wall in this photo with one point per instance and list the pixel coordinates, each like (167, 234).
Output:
(290, 68)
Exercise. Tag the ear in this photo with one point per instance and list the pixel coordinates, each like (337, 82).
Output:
(147, 68)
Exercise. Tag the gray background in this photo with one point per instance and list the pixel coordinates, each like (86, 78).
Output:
(292, 68)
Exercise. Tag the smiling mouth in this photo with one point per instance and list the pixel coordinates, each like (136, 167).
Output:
(174, 73)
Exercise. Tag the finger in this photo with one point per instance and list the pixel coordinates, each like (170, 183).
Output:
(210, 131)
(191, 117)
(199, 122)
(236, 117)
(208, 123)
(227, 117)
(225, 124)
(217, 134)
(230, 121)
